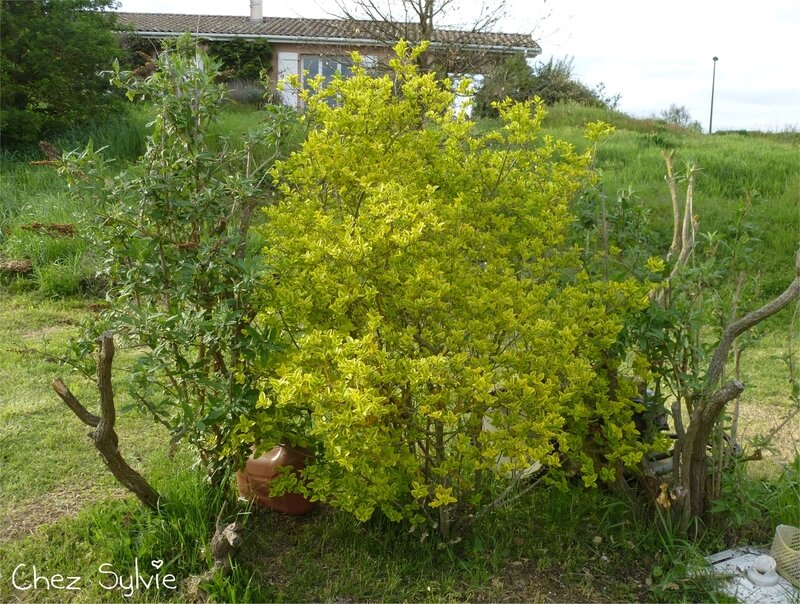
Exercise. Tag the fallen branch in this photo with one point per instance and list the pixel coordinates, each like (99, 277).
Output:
(54, 229)
(104, 437)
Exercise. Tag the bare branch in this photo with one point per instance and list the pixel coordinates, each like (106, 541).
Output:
(90, 419)
(737, 328)
(725, 394)
(676, 208)
(688, 227)
(417, 20)
(785, 422)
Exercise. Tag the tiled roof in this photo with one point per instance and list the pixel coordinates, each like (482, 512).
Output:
(332, 31)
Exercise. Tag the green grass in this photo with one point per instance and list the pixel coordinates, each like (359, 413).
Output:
(67, 265)
(573, 545)
(553, 546)
(118, 533)
(733, 168)
(549, 547)
(764, 167)
(44, 447)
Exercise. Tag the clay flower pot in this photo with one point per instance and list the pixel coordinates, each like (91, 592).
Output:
(254, 480)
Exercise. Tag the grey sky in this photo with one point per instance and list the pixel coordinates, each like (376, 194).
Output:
(652, 53)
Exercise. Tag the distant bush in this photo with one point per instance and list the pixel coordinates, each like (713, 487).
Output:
(241, 59)
(237, 60)
(513, 79)
(553, 82)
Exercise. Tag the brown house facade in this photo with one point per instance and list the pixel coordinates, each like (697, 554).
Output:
(317, 46)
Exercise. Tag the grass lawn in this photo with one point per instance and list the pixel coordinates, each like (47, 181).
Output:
(49, 467)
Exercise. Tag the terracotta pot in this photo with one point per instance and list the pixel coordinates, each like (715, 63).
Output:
(258, 473)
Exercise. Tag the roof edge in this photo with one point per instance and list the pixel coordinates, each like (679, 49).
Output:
(529, 51)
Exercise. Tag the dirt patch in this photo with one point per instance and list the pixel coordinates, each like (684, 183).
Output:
(759, 419)
(16, 267)
(54, 229)
(56, 327)
(603, 579)
(64, 501)
(41, 332)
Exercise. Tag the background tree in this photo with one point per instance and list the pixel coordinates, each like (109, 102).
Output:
(52, 53)
(417, 20)
(513, 79)
(680, 116)
(553, 81)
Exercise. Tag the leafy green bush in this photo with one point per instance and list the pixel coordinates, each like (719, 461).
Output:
(444, 336)
(52, 53)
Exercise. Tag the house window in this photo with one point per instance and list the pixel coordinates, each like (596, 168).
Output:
(327, 67)
(309, 66)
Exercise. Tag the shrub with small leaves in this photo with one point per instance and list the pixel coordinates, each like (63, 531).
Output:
(445, 337)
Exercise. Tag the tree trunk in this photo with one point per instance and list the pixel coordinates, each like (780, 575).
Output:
(705, 402)
(104, 437)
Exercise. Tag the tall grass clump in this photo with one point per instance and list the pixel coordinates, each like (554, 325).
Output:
(735, 171)
(123, 137)
(246, 92)
(34, 198)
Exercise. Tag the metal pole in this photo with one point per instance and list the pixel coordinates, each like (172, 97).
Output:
(713, 81)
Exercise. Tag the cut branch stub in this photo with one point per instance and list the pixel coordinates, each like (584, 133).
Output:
(675, 247)
(104, 437)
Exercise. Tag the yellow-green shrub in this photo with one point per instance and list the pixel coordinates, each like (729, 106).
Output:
(422, 276)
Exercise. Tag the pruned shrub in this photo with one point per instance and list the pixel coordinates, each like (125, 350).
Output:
(443, 336)
(173, 231)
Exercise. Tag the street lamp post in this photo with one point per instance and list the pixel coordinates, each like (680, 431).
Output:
(713, 81)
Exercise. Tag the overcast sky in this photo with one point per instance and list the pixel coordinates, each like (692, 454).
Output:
(652, 53)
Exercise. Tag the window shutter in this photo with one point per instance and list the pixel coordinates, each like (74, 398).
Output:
(288, 65)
